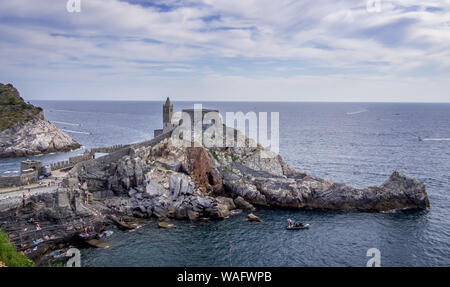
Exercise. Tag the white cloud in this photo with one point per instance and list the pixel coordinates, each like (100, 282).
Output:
(114, 41)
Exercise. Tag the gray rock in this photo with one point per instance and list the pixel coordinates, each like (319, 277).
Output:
(153, 189)
(132, 192)
(102, 194)
(160, 208)
(142, 209)
(218, 211)
(138, 214)
(180, 184)
(126, 173)
(245, 190)
(202, 202)
(174, 166)
(227, 201)
(252, 217)
(243, 204)
(160, 211)
(192, 214)
(398, 192)
(164, 224)
(181, 212)
(251, 181)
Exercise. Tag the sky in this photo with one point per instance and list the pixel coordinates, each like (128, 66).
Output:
(227, 50)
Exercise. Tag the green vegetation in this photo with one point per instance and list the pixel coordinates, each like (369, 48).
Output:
(147, 170)
(53, 265)
(163, 224)
(13, 109)
(229, 170)
(213, 153)
(233, 157)
(9, 256)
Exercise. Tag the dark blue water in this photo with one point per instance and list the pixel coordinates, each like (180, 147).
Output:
(355, 143)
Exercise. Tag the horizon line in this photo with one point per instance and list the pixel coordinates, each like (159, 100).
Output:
(240, 101)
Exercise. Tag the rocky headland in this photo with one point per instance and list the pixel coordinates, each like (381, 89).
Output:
(24, 130)
(167, 180)
(164, 180)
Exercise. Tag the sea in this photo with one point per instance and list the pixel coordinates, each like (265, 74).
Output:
(359, 144)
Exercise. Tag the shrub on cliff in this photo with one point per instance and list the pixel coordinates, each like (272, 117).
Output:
(9, 256)
(13, 108)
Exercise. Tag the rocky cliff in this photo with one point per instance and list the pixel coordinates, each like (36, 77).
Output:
(162, 179)
(24, 130)
(167, 180)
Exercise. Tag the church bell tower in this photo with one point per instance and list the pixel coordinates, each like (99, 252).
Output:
(167, 113)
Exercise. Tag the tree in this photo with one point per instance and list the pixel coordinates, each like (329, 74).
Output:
(9, 256)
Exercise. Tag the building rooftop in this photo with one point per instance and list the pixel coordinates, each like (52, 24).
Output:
(203, 110)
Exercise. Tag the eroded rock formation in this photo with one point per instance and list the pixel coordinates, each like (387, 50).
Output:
(167, 180)
(24, 131)
(37, 136)
(164, 180)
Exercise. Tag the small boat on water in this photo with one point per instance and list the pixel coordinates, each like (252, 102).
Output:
(297, 226)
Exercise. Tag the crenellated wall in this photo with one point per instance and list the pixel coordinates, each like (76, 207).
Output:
(86, 156)
(22, 179)
(9, 181)
(29, 177)
(154, 140)
(87, 160)
(108, 149)
(72, 161)
(60, 165)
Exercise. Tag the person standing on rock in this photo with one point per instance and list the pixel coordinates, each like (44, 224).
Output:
(24, 197)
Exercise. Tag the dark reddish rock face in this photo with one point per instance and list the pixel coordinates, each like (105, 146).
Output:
(199, 166)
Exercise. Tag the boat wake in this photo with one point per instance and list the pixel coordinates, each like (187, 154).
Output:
(11, 171)
(436, 139)
(64, 123)
(357, 112)
(75, 132)
(64, 111)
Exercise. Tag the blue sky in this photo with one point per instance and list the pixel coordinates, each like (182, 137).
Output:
(252, 50)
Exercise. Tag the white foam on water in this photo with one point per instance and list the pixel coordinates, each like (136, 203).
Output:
(436, 139)
(64, 111)
(75, 132)
(357, 112)
(64, 123)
